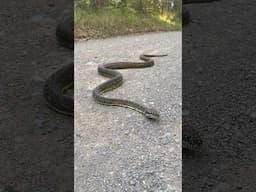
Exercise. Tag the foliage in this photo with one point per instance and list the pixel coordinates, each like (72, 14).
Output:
(103, 18)
(143, 6)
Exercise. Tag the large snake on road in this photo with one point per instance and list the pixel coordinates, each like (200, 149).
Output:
(62, 79)
(116, 80)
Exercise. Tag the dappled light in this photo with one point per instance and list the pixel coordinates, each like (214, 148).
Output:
(106, 18)
(168, 18)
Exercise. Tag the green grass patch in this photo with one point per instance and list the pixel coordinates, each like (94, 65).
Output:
(109, 22)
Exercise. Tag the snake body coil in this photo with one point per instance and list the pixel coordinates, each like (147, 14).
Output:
(62, 79)
(55, 87)
(116, 80)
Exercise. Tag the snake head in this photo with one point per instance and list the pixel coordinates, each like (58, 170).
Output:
(152, 114)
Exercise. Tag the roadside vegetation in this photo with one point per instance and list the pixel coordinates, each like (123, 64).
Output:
(106, 18)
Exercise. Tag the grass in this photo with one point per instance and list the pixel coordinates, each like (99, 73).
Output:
(112, 22)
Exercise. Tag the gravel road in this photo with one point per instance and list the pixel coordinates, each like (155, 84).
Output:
(117, 149)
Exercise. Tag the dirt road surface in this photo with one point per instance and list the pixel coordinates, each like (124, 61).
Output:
(118, 149)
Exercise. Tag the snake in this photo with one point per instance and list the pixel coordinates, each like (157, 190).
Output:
(65, 32)
(55, 88)
(61, 80)
(116, 80)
